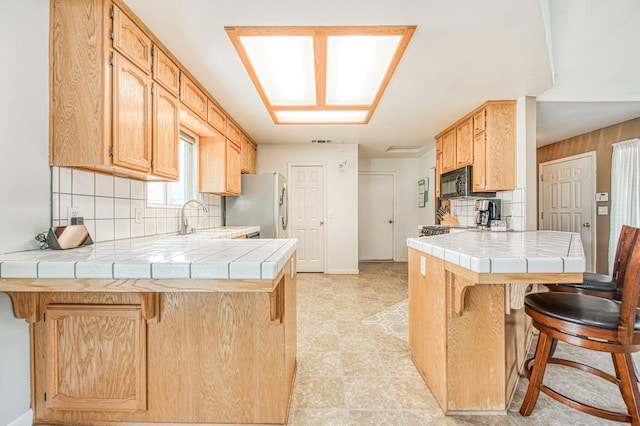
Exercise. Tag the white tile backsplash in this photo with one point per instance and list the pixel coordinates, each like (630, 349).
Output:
(65, 179)
(108, 205)
(104, 208)
(104, 185)
(82, 182)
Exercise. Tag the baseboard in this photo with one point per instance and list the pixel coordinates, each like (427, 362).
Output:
(401, 259)
(24, 420)
(343, 271)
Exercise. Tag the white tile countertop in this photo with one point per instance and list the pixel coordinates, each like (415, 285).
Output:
(208, 254)
(507, 252)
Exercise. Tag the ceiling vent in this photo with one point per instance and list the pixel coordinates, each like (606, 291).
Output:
(320, 140)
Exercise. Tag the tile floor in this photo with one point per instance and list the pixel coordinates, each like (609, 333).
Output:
(354, 365)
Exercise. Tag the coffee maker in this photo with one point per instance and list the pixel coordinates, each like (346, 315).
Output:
(486, 211)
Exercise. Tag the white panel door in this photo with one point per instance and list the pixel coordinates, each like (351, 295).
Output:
(567, 200)
(375, 216)
(306, 216)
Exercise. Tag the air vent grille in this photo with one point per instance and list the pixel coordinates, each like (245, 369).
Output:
(320, 140)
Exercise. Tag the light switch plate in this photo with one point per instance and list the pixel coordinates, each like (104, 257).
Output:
(602, 196)
(603, 210)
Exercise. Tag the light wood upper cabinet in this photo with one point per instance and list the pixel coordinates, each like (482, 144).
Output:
(464, 143)
(165, 71)
(216, 117)
(193, 97)
(166, 133)
(485, 139)
(131, 41)
(220, 164)
(131, 116)
(249, 155)
(95, 357)
(103, 118)
(449, 151)
(495, 167)
(438, 172)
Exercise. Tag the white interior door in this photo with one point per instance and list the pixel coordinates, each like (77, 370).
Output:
(567, 199)
(375, 216)
(306, 216)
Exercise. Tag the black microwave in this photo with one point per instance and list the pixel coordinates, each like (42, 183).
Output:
(459, 183)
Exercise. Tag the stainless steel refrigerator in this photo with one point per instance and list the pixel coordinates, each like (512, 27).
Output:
(263, 202)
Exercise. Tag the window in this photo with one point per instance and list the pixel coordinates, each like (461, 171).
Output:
(176, 193)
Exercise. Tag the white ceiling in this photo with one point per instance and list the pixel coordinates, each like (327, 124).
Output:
(463, 53)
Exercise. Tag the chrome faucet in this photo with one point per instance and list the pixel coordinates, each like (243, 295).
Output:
(184, 222)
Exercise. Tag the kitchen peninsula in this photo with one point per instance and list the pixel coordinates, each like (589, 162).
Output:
(467, 328)
(164, 329)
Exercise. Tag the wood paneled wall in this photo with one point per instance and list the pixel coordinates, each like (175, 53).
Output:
(601, 142)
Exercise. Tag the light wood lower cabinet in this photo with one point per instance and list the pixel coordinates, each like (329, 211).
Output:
(95, 358)
(181, 357)
(470, 359)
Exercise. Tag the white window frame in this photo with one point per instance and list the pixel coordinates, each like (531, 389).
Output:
(188, 169)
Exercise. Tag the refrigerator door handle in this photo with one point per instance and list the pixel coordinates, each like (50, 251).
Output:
(284, 204)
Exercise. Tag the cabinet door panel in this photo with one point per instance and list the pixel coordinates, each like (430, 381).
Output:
(96, 357)
(479, 121)
(464, 144)
(193, 97)
(233, 133)
(216, 117)
(248, 155)
(166, 134)
(131, 116)
(449, 151)
(480, 162)
(166, 72)
(129, 40)
(234, 165)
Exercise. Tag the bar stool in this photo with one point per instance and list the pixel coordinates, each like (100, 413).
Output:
(594, 323)
(605, 285)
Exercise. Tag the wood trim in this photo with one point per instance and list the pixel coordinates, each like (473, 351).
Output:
(319, 57)
(25, 306)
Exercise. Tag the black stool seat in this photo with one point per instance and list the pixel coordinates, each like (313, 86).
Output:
(580, 309)
(594, 285)
(591, 276)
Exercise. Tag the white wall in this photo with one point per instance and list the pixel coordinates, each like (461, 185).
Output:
(407, 172)
(427, 167)
(24, 174)
(341, 220)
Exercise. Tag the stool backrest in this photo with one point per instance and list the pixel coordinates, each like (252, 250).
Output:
(630, 276)
(626, 241)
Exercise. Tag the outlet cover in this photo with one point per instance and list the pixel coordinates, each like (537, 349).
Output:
(72, 212)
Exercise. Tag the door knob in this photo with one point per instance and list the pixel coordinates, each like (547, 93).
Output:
(390, 221)
(322, 223)
(586, 225)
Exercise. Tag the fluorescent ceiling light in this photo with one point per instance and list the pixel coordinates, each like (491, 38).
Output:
(393, 149)
(312, 75)
(315, 117)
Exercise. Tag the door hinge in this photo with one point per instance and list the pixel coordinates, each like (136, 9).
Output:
(541, 178)
(542, 215)
(152, 86)
(44, 317)
(111, 12)
(110, 150)
(112, 35)
(111, 60)
(45, 396)
(152, 164)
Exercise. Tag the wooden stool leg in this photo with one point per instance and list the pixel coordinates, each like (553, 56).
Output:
(628, 385)
(543, 350)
